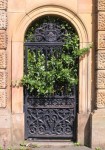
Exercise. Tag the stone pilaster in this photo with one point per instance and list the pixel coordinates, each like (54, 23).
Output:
(98, 117)
(100, 65)
(3, 55)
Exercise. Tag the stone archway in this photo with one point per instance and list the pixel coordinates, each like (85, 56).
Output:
(17, 65)
(50, 111)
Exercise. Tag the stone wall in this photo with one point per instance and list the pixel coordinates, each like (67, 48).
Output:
(5, 121)
(100, 54)
(3, 53)
(12, 29)
(20, 16)
(98, 116)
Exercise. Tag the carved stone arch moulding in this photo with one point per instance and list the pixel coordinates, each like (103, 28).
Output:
(84, 71)
(54, 10)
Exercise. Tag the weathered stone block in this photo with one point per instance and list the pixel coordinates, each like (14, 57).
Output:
(101, 21)
(3, 4)
(101, 4)
(18, 128)
(83, 129)
(3, 98)
(84, 6)
(101, 79)
(101, 98)
(5, 121)
(98, 129)
(3, 59)
(100, 59)
(17, 104)
(3, 19)
(3, 79)
(101, 40)
(5, 137)
(3, 39)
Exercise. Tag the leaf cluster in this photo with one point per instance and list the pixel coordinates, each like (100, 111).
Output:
(60, 69)
(49, 75)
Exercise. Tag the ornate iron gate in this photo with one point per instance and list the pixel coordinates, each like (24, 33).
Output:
(51, 116)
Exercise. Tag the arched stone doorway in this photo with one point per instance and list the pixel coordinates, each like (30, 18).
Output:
(50, 79)
(84, 71)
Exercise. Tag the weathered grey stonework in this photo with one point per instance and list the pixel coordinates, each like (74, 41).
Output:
(3, 19)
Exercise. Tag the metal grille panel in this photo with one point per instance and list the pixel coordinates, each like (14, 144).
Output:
(51, 116)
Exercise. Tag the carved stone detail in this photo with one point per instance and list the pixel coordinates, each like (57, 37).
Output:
(3, 19)
(101, 4)
(100, 59)
(101, 79)
(3, 97)
(3, 4)
(3, 59)
(101, 40)
(3, 79)
(3, 56)
(101, 98)
(101, 21)
(3, 39)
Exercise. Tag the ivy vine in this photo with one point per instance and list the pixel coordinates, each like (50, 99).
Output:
(61, 69)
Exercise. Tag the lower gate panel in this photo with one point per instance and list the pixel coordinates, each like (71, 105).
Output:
(49, 120)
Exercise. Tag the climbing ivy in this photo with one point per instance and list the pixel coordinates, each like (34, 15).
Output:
(61, 69)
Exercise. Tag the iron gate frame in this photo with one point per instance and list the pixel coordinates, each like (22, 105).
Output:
(72, 98)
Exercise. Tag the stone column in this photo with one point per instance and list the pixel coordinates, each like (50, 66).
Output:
(4, 113)
(98, 117)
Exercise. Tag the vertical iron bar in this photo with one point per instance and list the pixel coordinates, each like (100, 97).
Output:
(26, 58)
(46, 59)
(75, 119)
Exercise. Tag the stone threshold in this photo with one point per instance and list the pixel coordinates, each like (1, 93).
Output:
(50, 142)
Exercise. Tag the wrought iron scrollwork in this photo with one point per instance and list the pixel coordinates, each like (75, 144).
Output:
(52, 116)
(53, 122)
(49, 32)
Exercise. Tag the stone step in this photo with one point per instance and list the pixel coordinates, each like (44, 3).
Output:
(51, 143)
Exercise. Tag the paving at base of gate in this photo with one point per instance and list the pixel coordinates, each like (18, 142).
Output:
(61, 148)
(53, 146)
